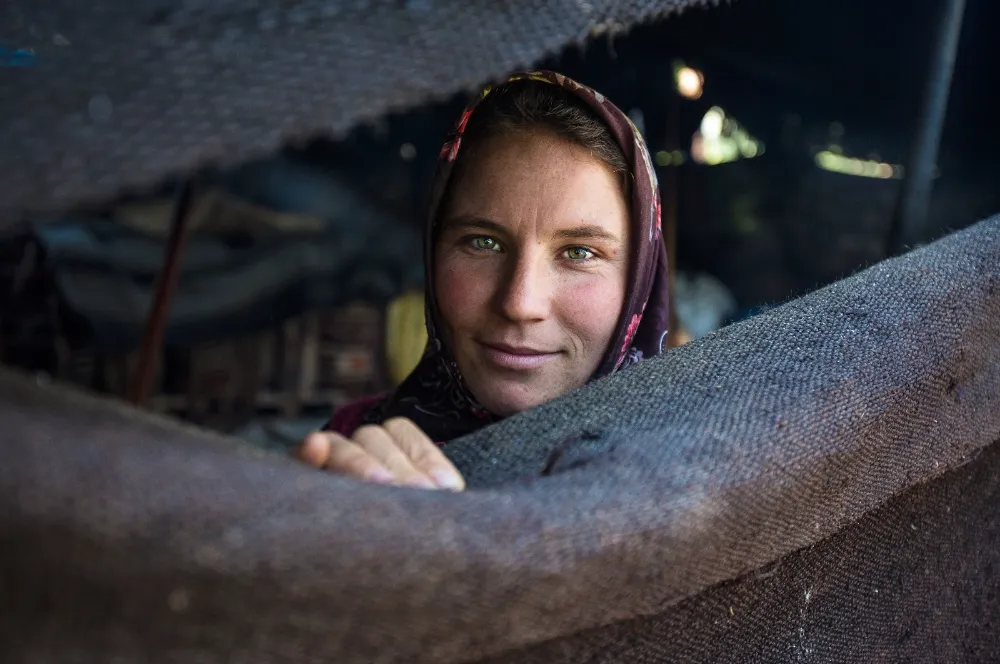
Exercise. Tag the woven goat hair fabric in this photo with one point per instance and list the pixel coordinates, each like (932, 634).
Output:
(816, 484)
(121, 94)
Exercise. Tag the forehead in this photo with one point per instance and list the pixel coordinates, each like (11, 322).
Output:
(539, 181)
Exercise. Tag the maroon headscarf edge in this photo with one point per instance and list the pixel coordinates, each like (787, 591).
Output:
(434, 395)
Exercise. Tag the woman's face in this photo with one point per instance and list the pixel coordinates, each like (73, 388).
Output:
(531, 267)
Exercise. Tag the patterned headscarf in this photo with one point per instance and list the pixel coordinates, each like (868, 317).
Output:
(434, 395)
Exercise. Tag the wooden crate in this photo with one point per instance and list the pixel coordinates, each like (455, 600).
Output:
(321, 360)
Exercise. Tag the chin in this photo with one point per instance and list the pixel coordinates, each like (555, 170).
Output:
(507, 402)
(507, 408)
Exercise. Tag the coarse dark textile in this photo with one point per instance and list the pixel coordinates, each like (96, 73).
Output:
(786, 467)
(434, 395)
(122, 93)
(913, 581)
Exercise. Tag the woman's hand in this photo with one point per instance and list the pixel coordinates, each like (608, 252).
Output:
(397, 452)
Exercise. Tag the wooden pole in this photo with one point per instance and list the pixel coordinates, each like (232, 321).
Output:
(166, 287)
(671, 191)
(910, 217)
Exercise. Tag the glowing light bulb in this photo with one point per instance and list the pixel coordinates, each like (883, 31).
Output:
(712, 123)
(690, 82)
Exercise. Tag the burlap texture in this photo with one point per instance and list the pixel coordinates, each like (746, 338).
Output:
(913, 581)
(808, 468)
(124, 93)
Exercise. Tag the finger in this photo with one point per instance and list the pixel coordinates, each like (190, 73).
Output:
(314, 450)
(424, 454)
(377, 441)
(348, 458)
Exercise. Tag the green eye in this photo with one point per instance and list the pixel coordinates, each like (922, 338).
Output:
(579, 254)
(485, 244)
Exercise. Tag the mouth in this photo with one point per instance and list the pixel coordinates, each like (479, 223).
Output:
(520, 358)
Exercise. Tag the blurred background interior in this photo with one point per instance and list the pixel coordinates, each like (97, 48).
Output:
(781, 130)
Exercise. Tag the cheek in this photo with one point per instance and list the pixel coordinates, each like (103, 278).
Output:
(461, 290)
(591, 309)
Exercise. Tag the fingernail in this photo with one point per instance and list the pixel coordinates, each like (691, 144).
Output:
(380, 476)
(423, 483)
(447, 480)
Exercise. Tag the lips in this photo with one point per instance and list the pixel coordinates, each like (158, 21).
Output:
(519, 358)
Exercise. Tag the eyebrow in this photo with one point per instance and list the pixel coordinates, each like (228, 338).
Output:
(585, 232)
(470, 222)
(590, 232)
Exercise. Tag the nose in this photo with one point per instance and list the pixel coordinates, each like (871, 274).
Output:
(525, 293)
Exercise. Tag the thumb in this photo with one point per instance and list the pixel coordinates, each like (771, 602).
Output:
(314, 450)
